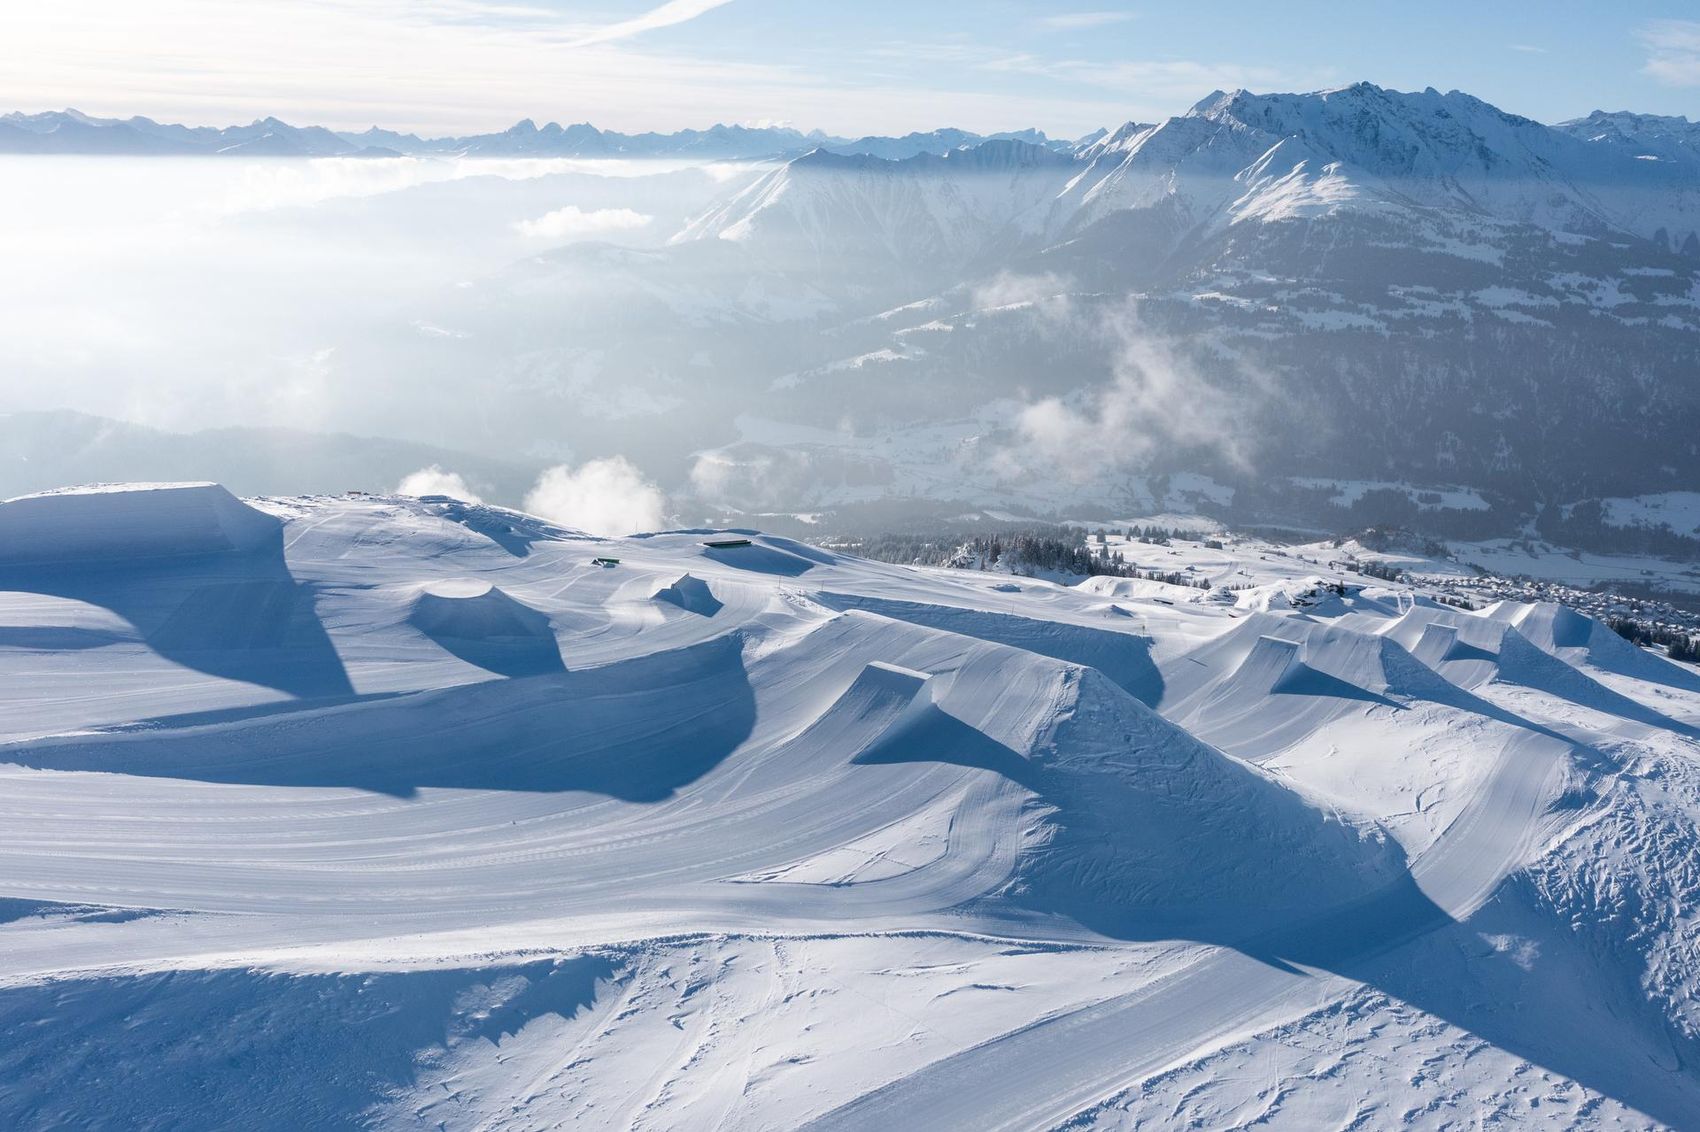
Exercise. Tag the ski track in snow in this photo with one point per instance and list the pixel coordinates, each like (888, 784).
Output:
(764, 836)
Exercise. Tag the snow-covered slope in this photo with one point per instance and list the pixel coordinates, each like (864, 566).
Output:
(397, 813)
(1645, 137)
(930, 214)
(1246, 156)
(1266, 286)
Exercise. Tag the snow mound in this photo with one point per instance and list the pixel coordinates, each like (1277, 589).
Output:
(474, 610)
(1524, 663)
(483, 625)
(1580, 639)
(119, 523)
(1271, 662)
(1436, 643)
(1462, 648)
(876, 709)
(1123, 657)
(884, 679)
(1551, 627)
(691, 594)
(868, 847)
(1155, 832)
(778, 557)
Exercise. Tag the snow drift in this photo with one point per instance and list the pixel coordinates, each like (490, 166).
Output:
(114, 524)
(466, 831)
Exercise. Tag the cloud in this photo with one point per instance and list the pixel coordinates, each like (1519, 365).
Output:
(1171, 80)
(435, 481)
(265, 184)
(1158, 401)
(573, 223)
(1047, 293)
(1673, 51)
(673, 12)
(600, 497)
(470, 66)
(1079, 21)
(437, 66)
(1528, 49)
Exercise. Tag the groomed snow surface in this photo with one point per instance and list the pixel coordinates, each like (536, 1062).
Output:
(342, 812)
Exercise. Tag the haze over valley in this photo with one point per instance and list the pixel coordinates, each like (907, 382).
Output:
(1259, 308)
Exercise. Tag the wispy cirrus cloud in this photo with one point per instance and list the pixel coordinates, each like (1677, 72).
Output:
(668, 14)
(1673, 51)
(1160, 80)
(441, 66)
(1082, 21)
(469, 66)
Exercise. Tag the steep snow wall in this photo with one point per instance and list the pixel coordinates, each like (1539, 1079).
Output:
(118, 523)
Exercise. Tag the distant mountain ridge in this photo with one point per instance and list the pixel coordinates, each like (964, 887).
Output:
(1355, 285)
(52, 448)
(1244, 307)
(1426, 162)
(72, 132)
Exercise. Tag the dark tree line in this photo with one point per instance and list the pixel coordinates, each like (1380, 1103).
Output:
(1062, 550)
(1584, 527)
(1023, 552)
(1380, 570)
(1679, 644)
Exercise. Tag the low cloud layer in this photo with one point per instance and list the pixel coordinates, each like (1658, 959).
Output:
(1158, 399)
(1048, 293)
(573, 223)
(435, 481)
(600, 497)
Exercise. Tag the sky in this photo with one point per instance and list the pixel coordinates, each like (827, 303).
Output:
(846, 66)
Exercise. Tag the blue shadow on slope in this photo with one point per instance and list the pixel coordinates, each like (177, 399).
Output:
(506, 656)
(934, 735)
(492, 630)
(1365, 937)
(1123, 657)
(239, 615)
(1303, 680)
(510, 530)
(636, 730)
(1521, 662)
(256, 1048)
(691, 594)
(760, 559)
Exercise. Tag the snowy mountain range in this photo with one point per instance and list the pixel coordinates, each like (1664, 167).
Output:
(1267, 294)
(72, 132)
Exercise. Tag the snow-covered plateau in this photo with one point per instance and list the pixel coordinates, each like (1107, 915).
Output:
(344, 811)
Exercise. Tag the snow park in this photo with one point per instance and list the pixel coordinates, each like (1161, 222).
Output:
(1012, 583)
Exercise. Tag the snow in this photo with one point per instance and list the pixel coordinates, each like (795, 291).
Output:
(403, 813)
(124, 522)
(1427, 498)
(1678, 510)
